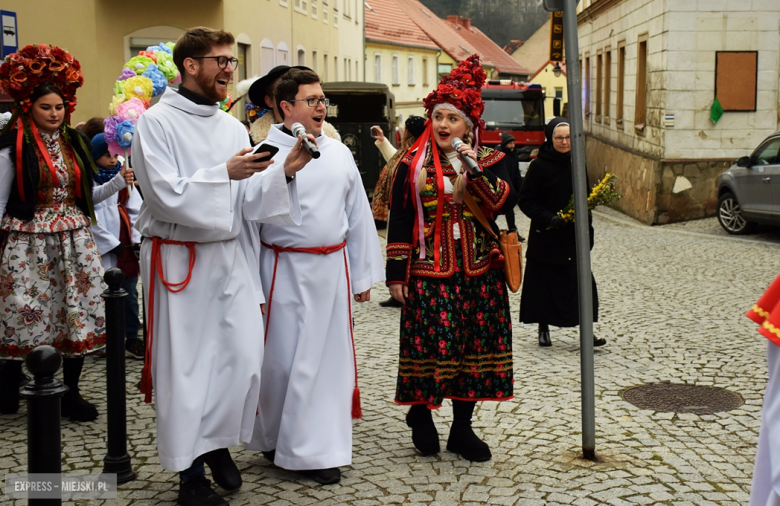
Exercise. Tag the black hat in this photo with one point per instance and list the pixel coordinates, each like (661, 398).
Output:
(257, 90)
(506, 138)
(415, 125)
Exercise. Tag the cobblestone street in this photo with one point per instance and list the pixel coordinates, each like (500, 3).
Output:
(672, 303)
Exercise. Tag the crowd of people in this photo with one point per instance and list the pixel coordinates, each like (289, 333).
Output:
(251, 250)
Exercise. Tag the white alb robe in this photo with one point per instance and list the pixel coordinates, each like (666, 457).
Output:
(766, 476)
(207, 348)
(308, 372)
(108, 227)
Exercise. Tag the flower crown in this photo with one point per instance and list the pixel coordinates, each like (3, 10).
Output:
(25, 70)
(462, 89)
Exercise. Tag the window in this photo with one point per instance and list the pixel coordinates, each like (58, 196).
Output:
(766, 154)
(314, 61)
(396, 81)
(335, 68)
(357, 73)
(444, 69)
(586, 86)
(640, 112)
(266, 57)
(282, 57)
(324, 12)
(347, 77)
(599, 88)
(377, 68)
(425, 72)
(301, 57)
(283, 3)
(348, 9)
(325, 67)
(559, 92)
(607, 80)
(335, 12)
(314, 9)
(410, 70)
(621, 78)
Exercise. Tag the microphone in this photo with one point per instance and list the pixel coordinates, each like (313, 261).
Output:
(473, 167)
(298, 131)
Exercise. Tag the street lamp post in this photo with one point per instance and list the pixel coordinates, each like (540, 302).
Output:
(584, 276)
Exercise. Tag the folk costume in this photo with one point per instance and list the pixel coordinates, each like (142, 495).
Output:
(456, 330)
(766, 477)
(550, 294)
(203, 351)
(51, 277)
(309, 395)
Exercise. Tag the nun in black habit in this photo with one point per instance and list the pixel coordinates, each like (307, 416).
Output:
(549, 295)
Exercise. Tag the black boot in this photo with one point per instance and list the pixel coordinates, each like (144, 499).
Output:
(10, 377)
(544, 335)
(223, 469)
(391, 302)
(599, 341)
(462, 439)
(73, 405)
(329, 476)
(197, 491)
(424, 434)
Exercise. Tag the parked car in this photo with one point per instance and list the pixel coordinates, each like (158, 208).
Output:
(749, 191)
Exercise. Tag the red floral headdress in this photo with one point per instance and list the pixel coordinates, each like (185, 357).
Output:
(462, 88)
(25, 70)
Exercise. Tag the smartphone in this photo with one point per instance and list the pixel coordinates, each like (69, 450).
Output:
(262, 148)
(375, 131)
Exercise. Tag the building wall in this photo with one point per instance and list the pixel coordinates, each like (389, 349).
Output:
(408, 97)
(536, 50)
(549, 82)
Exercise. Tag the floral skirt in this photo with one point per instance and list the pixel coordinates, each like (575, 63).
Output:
(456, 339)
(50, 287)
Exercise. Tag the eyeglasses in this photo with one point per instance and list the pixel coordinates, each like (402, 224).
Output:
(312, 102)
(222, 61)
(562, 139)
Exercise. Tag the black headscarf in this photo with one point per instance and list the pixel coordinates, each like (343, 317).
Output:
(547, 151)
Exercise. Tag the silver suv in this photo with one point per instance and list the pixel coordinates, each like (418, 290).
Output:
(749, 192)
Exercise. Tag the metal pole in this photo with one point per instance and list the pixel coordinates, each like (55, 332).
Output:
(581, 190)
(43, 394)
(118, 460)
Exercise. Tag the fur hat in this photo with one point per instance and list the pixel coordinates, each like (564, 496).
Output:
(460, 91)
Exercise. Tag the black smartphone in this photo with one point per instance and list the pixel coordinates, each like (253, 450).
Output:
(262, 148)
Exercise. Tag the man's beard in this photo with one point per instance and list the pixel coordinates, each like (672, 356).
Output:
(208, 88)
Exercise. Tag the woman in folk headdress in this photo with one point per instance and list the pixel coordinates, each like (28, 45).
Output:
(50, 270)
(456, 330)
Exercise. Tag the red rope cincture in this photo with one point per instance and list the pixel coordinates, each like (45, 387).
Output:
(357, 411)
(156, 269)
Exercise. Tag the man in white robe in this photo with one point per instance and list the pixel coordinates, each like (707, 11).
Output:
(309, 378)
(203, 341)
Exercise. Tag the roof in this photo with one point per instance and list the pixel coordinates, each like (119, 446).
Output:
(387, 22)
(552, 64)
(487, 49)
(513, 45)
(458, 44)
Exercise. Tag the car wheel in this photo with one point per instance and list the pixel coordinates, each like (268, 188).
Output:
(730, 216)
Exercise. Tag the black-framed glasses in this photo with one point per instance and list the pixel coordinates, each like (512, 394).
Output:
(562, 139)
(222, 61)
(312, 102)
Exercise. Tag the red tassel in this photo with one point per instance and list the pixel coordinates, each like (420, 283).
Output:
(357, 412)
(146, 383)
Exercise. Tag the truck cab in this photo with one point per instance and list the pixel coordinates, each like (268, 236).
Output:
(515, 108)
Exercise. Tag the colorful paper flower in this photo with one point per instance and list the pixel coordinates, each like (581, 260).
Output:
(119, 87)
(130, 110)
(127, 73)
(138, 87)
(167, 67)
(149, 54)
(161, 47)
(124, 134)
(109, 127)
(139, 63)
(159, 81)
(115, 101)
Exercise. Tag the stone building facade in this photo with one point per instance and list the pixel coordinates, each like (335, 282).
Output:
(649, 77)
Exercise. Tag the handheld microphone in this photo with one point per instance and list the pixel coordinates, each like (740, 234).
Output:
(473, 167)
(298, 131)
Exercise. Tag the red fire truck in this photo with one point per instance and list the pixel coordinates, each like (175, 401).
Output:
(517, 109)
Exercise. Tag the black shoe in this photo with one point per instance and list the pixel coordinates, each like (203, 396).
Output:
(134, 348)
(424, 434)
(73, 405)
(462, 439)
(269, 455)
(10, 383)
(323, 476)
(391, 302)
(198, 492)
(223, 469)
(599, 341)
(544, 338)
